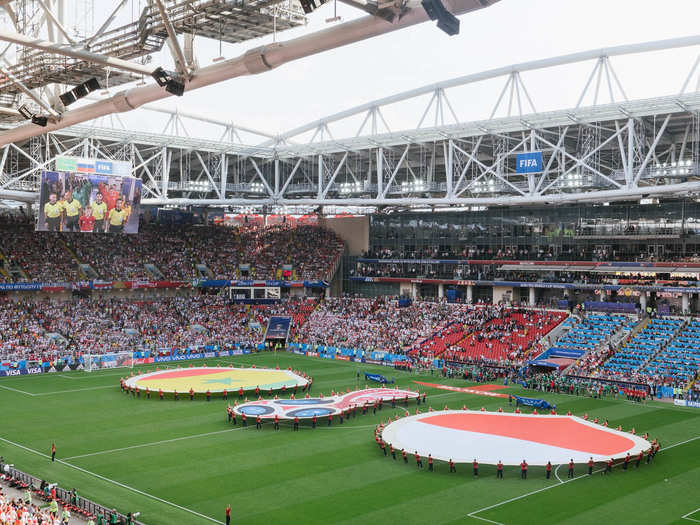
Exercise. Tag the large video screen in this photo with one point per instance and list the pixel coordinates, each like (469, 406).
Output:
(88, 203)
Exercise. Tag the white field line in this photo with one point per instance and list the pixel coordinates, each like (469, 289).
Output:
(556, 474)
(687, 516)
(516, 498)
(34, 394)
(194, 436)
(182, 438)
(17, 390)
(75, 390)
(103, 478)
(92, 375)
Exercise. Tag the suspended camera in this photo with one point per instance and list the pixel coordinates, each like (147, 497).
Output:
(172, 83)
(448, 22)
(28, 114)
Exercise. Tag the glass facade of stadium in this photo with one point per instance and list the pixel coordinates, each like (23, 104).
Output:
(617, 232)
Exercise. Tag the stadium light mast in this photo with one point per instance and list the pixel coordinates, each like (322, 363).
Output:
(254, 61)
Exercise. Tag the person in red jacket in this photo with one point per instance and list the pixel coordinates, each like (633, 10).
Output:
(639, 459)
(258, 423)
(523, 470)
(404, 456)
(571, 469)
(590, 466)
(109, 194)
(393, 452)
(313, 421)
(228, 514)
(430, 463)
(608, 466)
(277, 422)
(419, 461)
(86, 220)
(452, 466)
(330, 419)
(548, 469)
(499, 470)
(475, 466)
(627, 460)
(296, 423)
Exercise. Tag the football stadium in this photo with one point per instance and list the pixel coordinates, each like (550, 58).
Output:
(349, 261)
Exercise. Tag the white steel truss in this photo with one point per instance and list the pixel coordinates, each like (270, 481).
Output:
(605, 147)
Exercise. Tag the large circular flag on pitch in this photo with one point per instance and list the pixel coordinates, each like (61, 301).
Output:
(489, 437)
(322, 406)
(203, 379)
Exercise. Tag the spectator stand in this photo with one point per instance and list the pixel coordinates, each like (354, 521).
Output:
(82, 506)
(630, 360)
(677, 364)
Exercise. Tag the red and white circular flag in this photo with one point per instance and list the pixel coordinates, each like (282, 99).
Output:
(490, 437)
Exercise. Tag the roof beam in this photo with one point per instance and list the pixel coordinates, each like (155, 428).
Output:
(56, 22)
(173, 44)
(27, 91)
(254, 61)
(106, 24)
(572, 58)
(52, 47)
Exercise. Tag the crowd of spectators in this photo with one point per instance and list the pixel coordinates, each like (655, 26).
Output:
(309, 251)
(38, 256)
(46, 330)
(124, 257)
(529, 252)
(374, 324)
(168, 253)
(502, 334)
(484, 272)
(17, 511)
(524, 253)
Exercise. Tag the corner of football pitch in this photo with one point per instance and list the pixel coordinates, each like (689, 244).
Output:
(182, 462)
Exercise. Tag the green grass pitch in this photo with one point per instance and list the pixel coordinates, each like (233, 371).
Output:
(182, 463)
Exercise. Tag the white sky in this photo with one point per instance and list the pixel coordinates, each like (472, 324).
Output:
(509, 32)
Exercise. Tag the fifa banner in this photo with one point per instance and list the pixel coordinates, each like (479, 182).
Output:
(531, 402)
(377, 378)
(89, 196)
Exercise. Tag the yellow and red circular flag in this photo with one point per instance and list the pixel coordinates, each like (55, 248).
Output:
(203, 379)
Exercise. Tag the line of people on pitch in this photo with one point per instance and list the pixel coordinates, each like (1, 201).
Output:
(650, 454)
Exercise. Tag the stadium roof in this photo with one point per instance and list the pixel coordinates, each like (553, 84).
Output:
(600, 146)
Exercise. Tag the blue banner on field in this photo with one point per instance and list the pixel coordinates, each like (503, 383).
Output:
(531, 402)
(528, 162)
(377, 378)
